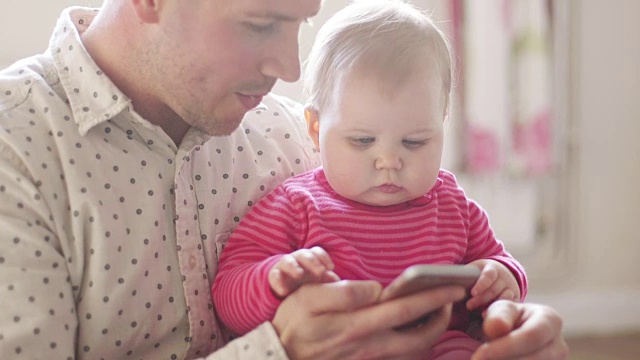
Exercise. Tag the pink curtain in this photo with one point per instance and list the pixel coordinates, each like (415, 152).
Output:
(504, 91)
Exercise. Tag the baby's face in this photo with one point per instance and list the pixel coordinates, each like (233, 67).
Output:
(379, 148)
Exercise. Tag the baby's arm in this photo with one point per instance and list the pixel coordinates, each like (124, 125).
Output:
(496, 282)
(301, 267)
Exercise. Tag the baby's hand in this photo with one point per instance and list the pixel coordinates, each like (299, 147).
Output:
(496, 282)
(301, 267)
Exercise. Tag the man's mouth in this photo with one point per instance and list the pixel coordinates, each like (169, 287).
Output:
(250, 101)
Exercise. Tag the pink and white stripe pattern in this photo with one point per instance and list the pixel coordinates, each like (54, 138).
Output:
(364, 242)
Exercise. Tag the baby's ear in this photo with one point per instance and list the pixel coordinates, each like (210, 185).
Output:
(313, 125)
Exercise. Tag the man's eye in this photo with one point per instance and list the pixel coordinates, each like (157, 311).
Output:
(260, 28)
(413, 143)
(362, 141)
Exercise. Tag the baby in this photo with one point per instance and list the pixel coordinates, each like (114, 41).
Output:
(379, 78)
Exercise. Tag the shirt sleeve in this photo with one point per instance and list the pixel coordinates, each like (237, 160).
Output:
(241, 291)
(484, 245)
(38, 318)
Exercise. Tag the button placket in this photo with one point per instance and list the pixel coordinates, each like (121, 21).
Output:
(196, 286)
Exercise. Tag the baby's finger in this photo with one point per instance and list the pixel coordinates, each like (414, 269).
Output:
(310, 263)
(476, 302)
(289, 266)
(507, 294)
(323, 256)
(487, 278)
(330, 276)
(485, 297)
(280, 284)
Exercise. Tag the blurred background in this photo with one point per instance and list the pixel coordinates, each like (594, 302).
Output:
(544, 132)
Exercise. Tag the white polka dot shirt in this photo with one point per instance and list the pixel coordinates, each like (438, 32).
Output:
(109, 233)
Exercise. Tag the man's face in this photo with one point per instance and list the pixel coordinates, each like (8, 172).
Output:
(216, 59)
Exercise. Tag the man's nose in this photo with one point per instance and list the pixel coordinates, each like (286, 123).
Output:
(283, 60)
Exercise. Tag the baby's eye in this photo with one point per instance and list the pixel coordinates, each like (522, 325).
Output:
(362, 141)
(413, 143)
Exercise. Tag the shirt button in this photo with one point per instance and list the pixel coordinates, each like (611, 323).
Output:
(192, 262)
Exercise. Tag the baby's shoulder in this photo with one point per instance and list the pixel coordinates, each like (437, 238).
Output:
(449, 184)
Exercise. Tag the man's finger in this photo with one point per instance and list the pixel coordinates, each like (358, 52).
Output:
(500, 318)
(339, 296)
(533, 332)
(401, 311)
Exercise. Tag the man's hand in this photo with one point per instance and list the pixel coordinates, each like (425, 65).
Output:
(522, 331)
(345, 320)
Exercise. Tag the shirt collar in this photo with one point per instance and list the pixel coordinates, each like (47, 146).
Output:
(92, 96)
(426, 198)
(417, 202)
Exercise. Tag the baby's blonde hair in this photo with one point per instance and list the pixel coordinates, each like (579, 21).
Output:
(386, 40)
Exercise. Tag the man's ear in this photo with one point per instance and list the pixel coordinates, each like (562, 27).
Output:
(148, 11)
(313, 125)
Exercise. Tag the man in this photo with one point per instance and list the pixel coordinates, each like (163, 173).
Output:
(119, 186)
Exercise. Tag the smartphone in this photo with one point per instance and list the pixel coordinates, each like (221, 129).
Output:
(422, 277)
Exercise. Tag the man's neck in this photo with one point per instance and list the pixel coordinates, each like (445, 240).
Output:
(113, 40)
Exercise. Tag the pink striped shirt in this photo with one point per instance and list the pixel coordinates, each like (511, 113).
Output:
(364, 242)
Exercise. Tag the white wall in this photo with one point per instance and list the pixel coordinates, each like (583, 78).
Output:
(600, 290)
(598, 285)
(26, 25)
(294, 90)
